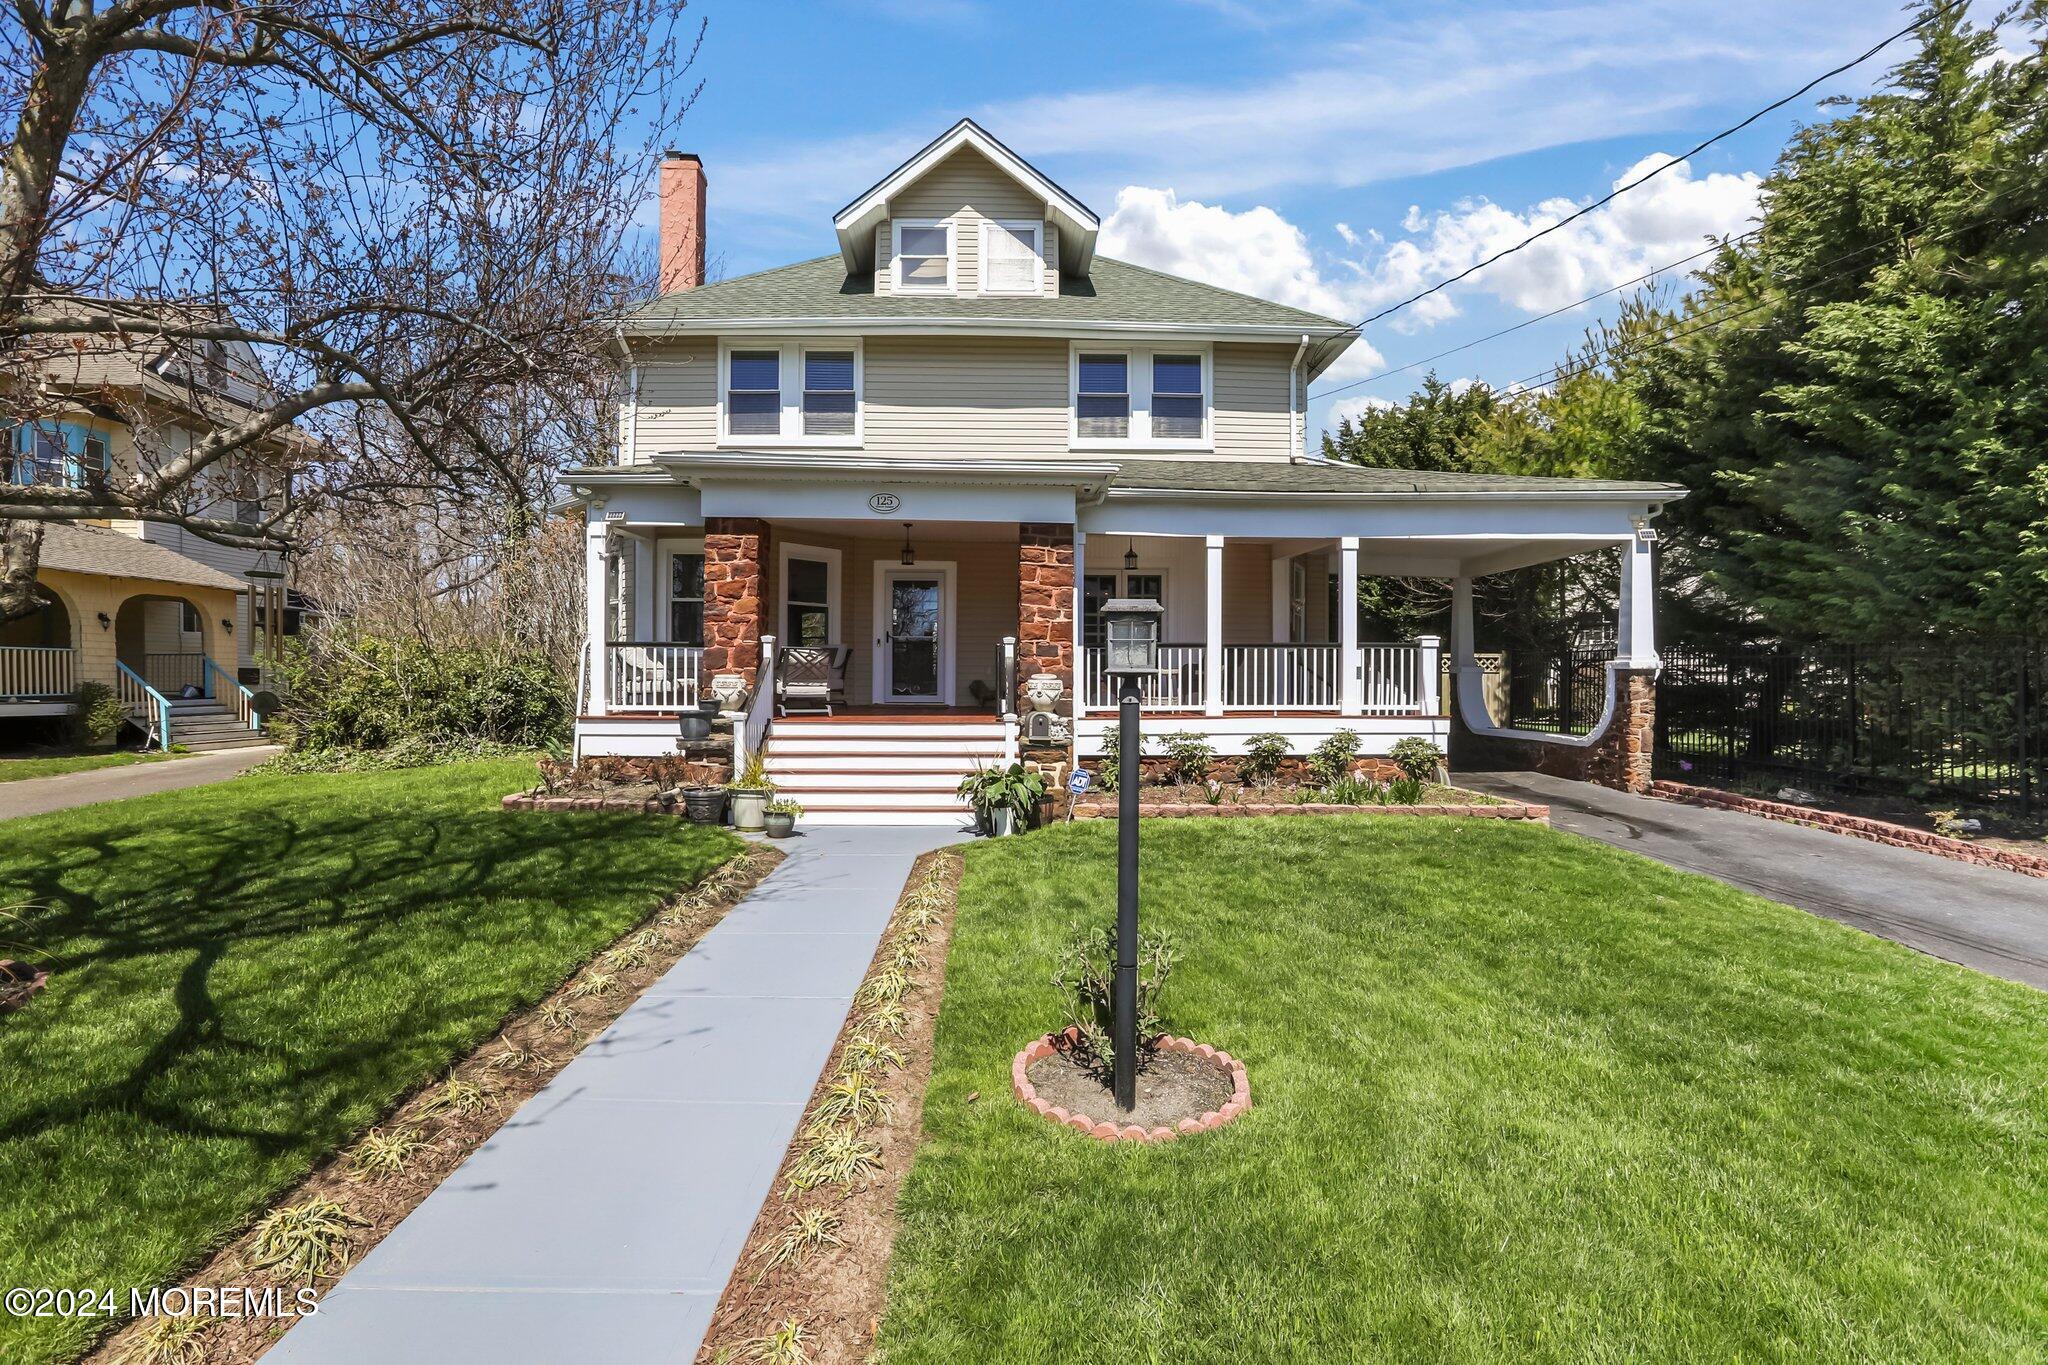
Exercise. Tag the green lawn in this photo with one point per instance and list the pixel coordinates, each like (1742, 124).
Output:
(1517, 1096)
(16, 769)
(250, 973)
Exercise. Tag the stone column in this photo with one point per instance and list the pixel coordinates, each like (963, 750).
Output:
(1046, 629)
(735, 595)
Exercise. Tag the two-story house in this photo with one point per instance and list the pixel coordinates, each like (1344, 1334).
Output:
(174, 623)
(926, 460)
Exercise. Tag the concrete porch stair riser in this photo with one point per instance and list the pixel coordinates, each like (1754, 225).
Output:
(880, 770)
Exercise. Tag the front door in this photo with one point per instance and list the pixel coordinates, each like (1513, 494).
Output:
(912, 619)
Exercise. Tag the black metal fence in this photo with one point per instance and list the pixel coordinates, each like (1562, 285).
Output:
(1561, 693)
(1960, 719)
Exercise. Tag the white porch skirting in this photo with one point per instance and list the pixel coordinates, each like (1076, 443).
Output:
(1376, 734)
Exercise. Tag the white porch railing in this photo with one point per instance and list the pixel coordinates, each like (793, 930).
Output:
(1177, 688)
(1392, 681)
(37, 671)
(1281, 677)
(652, 677)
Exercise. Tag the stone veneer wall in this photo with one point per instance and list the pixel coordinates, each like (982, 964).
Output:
(1045, 617)
(736, 594)
(1619, 759)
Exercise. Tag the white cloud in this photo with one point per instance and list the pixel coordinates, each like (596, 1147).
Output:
(1255, 251)
(1353, 408)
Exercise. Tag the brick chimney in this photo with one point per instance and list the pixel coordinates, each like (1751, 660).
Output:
(682, 223)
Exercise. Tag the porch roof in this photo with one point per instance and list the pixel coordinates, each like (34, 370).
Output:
(72, 548)
(1312, 477)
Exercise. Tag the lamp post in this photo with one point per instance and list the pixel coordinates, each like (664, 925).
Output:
(1132, 633)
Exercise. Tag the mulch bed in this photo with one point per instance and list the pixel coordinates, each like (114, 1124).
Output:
(835, 1292)
(1169, 802)
(1172, 1087)
(509, 1069)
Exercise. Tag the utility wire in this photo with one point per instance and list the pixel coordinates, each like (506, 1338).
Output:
(1540, 317)
(1942, 13)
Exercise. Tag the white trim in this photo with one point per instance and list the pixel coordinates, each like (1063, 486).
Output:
(1034, 226)
(1138, 381)
(664, 329)
(896, 281)
(786, 551)
(790, 379)
(666, 548)
(946, 571)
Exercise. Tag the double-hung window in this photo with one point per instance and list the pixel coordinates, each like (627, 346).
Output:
(790, 393)
(924, 258)
(1102, 397)
(1011, 261)
(55, 455)
(828, 393)
(810, 603)
(1141, 397)
(753, 395)
(686, 599)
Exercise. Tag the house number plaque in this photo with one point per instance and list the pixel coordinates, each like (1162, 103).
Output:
(883, 504)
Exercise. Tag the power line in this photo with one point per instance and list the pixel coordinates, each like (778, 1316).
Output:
(1942, 13)
(1540, 317)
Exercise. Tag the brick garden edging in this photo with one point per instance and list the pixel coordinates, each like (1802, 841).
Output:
(645, 805)
(1176, 809)
(1103, 1130)
(1856, 827)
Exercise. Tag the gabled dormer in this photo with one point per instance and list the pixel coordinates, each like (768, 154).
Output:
(966, 218)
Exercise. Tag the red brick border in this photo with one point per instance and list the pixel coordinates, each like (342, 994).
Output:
(1177, 809)
(1104, 1130)
(1856, 827)
(647, 805)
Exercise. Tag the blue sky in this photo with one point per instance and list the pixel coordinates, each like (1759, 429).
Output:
(1335, 154)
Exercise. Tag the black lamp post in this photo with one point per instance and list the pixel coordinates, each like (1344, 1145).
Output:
(1132, 631)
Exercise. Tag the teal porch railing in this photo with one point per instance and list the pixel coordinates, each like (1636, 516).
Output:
(232, 690)
(146, 704)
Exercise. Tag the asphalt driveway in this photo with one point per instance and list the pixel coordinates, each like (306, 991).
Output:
(41, 795)
(1982, 917)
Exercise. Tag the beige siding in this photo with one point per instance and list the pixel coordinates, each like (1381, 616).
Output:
(963, 189)
(1000, 396)
(885, 278)
(1247, 593)
(678, 398)
(985, 609)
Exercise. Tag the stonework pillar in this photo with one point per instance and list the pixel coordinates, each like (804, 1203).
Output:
(1045, 603)
(735, 595)
(1620, 758)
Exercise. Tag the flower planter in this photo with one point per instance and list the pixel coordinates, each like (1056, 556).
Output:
(749, 805)
(704, 805)
(695, 724)
(1002, 820)
(1109, 1127)
(779, 824)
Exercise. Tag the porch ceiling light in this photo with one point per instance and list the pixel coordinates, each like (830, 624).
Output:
(1130, 557)
(909, 555)
(1131, 626)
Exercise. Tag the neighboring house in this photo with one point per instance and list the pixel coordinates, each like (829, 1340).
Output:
(147, 608)
(927, 460)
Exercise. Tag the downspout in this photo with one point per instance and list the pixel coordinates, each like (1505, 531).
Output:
(1297, 414)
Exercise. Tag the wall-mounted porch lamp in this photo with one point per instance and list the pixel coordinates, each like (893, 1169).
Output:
(1131, 631)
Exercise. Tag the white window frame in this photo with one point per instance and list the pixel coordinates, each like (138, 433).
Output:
(665, 553)
(896, 281)
(1036, 227)
(1138, 378)
(791, 373)
(831, 559)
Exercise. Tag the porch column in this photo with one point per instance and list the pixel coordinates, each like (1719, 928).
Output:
(1212, 628)
(595, 537)
(1636, 631)
(1351, 665)
(644, 594)
(1462, 656)
(735, 555)
(1078, 702)
(1429, 651)
(1283, 599)
(1046, 584)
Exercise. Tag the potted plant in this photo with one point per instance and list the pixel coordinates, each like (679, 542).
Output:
(750, 792)
(779, 817)
(1002, 796)
(704, 804)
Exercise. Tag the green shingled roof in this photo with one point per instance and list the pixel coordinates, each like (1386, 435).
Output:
(1114, 291)
(1317, 476)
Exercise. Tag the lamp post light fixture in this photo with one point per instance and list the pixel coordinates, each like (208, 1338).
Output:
(1131, 631)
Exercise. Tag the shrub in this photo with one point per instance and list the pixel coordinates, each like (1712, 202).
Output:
(1352, 791)
(1263, 755)
(1334, 756)
(1191, 754)
(1085, 978)
(97, 715)
(1404, 791)
(359, 691)
(1417, 757)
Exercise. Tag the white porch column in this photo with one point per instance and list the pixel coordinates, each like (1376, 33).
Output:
(644, 594)
(1636, 632)
(1461, 625)
(595, 538)
(1351, 665)
(1430, 660)
(1212, 628)
(1078, 698)
(1283, 599)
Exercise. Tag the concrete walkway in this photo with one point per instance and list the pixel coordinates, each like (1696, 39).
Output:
(40, 795)
(1982, 917)
(602, 1221)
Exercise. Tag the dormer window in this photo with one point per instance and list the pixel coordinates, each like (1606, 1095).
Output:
(924, 258)
(1012, 258)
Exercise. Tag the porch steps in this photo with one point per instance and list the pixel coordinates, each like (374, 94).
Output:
(204, 726)
(874, 770)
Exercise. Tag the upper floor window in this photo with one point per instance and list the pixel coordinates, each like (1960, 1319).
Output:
(924, 257)
(1141, 397)
(56, 455)
(1012, 260)
(790, 393)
